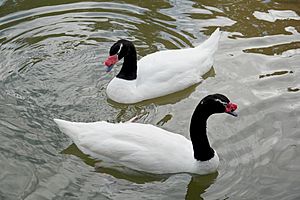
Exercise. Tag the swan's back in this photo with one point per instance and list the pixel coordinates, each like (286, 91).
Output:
(175, 70)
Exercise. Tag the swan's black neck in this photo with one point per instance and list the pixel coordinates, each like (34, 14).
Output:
(201, 146)
(129, 68)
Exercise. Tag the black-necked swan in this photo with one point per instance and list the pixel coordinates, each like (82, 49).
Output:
(160, 73)
(147, 148)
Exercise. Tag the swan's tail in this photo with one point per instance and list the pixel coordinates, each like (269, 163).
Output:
(212, 42)
(75, 130)
(71, 129)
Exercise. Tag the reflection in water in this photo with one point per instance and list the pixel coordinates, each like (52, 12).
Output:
(73, 150)
(273, 15)
(293, 89)
(198, 186)
(275, 50)
(278, 73)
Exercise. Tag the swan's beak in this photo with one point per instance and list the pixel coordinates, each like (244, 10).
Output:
(110, 62)
(232, 113)
(230, 109)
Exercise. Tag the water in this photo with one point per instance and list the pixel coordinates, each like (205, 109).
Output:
(51, 66)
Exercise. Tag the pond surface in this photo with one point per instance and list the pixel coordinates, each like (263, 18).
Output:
(51, 67)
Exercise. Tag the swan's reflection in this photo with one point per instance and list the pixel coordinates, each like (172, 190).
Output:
(199, 184)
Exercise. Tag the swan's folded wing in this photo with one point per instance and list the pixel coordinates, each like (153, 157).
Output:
(138, 146)
(174, 70)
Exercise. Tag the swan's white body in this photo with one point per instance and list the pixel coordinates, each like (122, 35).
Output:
(165, 72)
(141, 147)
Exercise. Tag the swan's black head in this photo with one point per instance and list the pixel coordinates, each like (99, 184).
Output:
(211, 104)
(217, 103)
(117, 51)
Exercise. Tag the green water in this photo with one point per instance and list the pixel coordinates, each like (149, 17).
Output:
(51, 67)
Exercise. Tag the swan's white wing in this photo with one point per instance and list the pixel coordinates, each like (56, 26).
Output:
(138, 146)
(158, 77)
(174, 70)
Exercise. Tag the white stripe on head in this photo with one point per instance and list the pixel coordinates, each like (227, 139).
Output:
(222, 102)
(120, 48)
